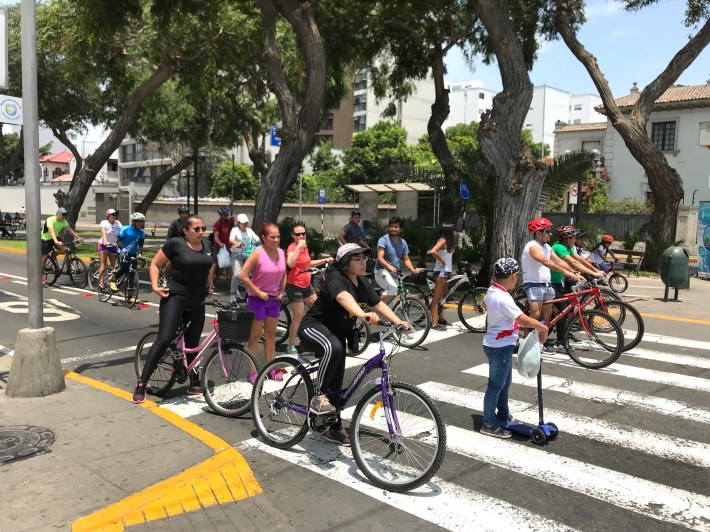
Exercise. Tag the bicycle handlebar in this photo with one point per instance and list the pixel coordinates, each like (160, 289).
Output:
(314, 269)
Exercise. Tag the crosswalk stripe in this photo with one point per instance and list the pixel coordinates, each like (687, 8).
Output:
(644, 374)
(448, 505)
(653, 443)
(669, 358)
(675, 341)
(594, 392)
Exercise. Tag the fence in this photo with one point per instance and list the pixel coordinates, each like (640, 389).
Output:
(615, 224)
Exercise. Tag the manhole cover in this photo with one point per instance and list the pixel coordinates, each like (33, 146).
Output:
(21, 441)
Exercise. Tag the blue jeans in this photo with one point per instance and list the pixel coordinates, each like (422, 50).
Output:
(500, 375)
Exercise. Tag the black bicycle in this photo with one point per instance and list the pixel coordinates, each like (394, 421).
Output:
(71, 265)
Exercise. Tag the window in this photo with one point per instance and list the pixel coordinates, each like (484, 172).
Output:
(577, 121)
(326, 122)
(359, 103)
(360, 81)
(578, 107)
(359, 124)
(649, 198)
(45, 173)
(481, 95)
(663, 135)
(57, 172)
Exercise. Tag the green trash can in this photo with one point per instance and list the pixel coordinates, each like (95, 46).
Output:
(675, 270)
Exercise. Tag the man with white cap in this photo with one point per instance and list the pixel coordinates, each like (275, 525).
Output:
(242, 240)
(50, 235)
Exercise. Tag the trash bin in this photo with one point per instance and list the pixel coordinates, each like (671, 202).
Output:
(675, 269)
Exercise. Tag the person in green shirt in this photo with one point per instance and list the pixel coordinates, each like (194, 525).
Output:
(50, 234)
(564, 249)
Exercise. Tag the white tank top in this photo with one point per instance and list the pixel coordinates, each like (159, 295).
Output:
(533, 271)
(448, 260)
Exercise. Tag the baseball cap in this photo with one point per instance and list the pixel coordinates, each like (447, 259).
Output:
(243, 219)
(111, 211)
(356, 212)
(62, 210)
(349, 249)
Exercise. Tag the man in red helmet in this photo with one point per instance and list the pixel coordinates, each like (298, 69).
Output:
(536, 262)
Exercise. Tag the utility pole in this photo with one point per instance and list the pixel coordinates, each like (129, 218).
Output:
(231, 196)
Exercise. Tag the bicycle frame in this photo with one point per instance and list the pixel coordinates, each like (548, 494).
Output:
(201, 347)
(379, 361)
(576, 304)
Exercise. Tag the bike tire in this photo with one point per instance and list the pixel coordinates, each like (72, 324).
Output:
(104, 287)
(225, 379)
(273, 403)
(602, 339)
(520, 298)
(131, 289)
(362, 329)
(618, 283)
(92, 275)
(412, 291)
(78, 273)
(626, 314)
(417, 314)
(51, 271)
(410, 457)
(472, 311)
(164, 375)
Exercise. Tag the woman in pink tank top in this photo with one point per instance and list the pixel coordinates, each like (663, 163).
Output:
(264, 275)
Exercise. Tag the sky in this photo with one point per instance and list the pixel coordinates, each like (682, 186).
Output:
(629, 47)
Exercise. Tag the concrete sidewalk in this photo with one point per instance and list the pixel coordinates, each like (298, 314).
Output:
(115, 464)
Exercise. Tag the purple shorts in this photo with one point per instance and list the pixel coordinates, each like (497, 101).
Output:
(271, 308)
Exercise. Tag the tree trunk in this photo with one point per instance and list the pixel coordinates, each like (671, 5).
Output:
(158, 185)
(663, 180)
(64, 139)
(439, 113)
(517, 176)
(300, 119)
(15, 160)
(83, 180)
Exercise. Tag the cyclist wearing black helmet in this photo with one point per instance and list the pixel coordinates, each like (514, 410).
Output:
(175, 228)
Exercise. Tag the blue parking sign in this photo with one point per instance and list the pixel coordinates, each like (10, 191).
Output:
(275, 139)
(321, 196)
(463, 190)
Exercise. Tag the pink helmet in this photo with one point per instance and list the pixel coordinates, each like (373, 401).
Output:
(539, 224)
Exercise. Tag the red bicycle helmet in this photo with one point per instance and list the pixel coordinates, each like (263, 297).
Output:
(607, 238)
(539, 224)
(566, 231)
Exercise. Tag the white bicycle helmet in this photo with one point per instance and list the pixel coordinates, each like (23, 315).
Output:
(138, 217)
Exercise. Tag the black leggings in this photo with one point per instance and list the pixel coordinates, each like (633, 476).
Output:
(560, 292)
(175, 309)
(319, 339)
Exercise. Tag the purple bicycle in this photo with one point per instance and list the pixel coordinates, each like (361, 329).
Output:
(397, 435)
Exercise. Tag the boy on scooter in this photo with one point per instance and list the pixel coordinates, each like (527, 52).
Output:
(498, 342)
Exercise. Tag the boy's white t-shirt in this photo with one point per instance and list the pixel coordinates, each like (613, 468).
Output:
(599, 254)
(242, 237)
(502, 329)
(533, 271)
(111, 231)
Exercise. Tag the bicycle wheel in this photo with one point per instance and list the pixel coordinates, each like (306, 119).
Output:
(362, 330)
(130, 288)
(51, 271)
(618, 283)
(78, 273)
(92, 275)
(418, 316)
(520, 298)
(472, 311)
(225, 380)
(630, 321)
(412, 291)
(283, 325)
(164, 375)
(104, 287)
(593, 341)
(409, 457)
(280, 409)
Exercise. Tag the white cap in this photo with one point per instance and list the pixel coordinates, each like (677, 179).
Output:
(242, 219)
(349, 249)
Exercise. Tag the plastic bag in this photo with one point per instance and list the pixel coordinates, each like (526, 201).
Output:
(223, 257)
(529, 356)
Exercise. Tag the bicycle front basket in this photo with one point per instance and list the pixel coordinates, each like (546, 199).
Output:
(235, 325)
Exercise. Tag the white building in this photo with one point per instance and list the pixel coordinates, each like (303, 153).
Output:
(674, 125)
(468, 100)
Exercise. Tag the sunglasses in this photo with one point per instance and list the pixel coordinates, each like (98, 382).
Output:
(199, 229)
(547, 232)
(299, 234)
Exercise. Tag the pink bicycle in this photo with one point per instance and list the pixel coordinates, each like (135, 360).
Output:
(224, 375)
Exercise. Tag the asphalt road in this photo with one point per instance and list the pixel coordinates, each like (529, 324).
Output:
(633, 452)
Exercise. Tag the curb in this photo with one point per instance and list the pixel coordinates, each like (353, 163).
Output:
(224, 478)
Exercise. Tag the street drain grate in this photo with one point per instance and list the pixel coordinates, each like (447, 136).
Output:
(18, 442)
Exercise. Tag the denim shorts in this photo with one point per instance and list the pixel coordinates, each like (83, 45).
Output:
(296, 294)
(271, 308)
(539, 292)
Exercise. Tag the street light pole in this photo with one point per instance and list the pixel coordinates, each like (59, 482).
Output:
(194, 177)
(231, 196)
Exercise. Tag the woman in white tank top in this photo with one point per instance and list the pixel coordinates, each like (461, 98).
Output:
(442, 252)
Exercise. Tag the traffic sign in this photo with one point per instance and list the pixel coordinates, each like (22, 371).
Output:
(463, 190)
(573, 194)
(321, 196)
(275, 139)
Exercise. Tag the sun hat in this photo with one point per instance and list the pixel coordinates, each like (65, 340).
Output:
(111, 211)
(62, 210)
(242, 219)
(346, 250)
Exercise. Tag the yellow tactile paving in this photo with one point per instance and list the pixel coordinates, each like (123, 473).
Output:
(223, 478)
